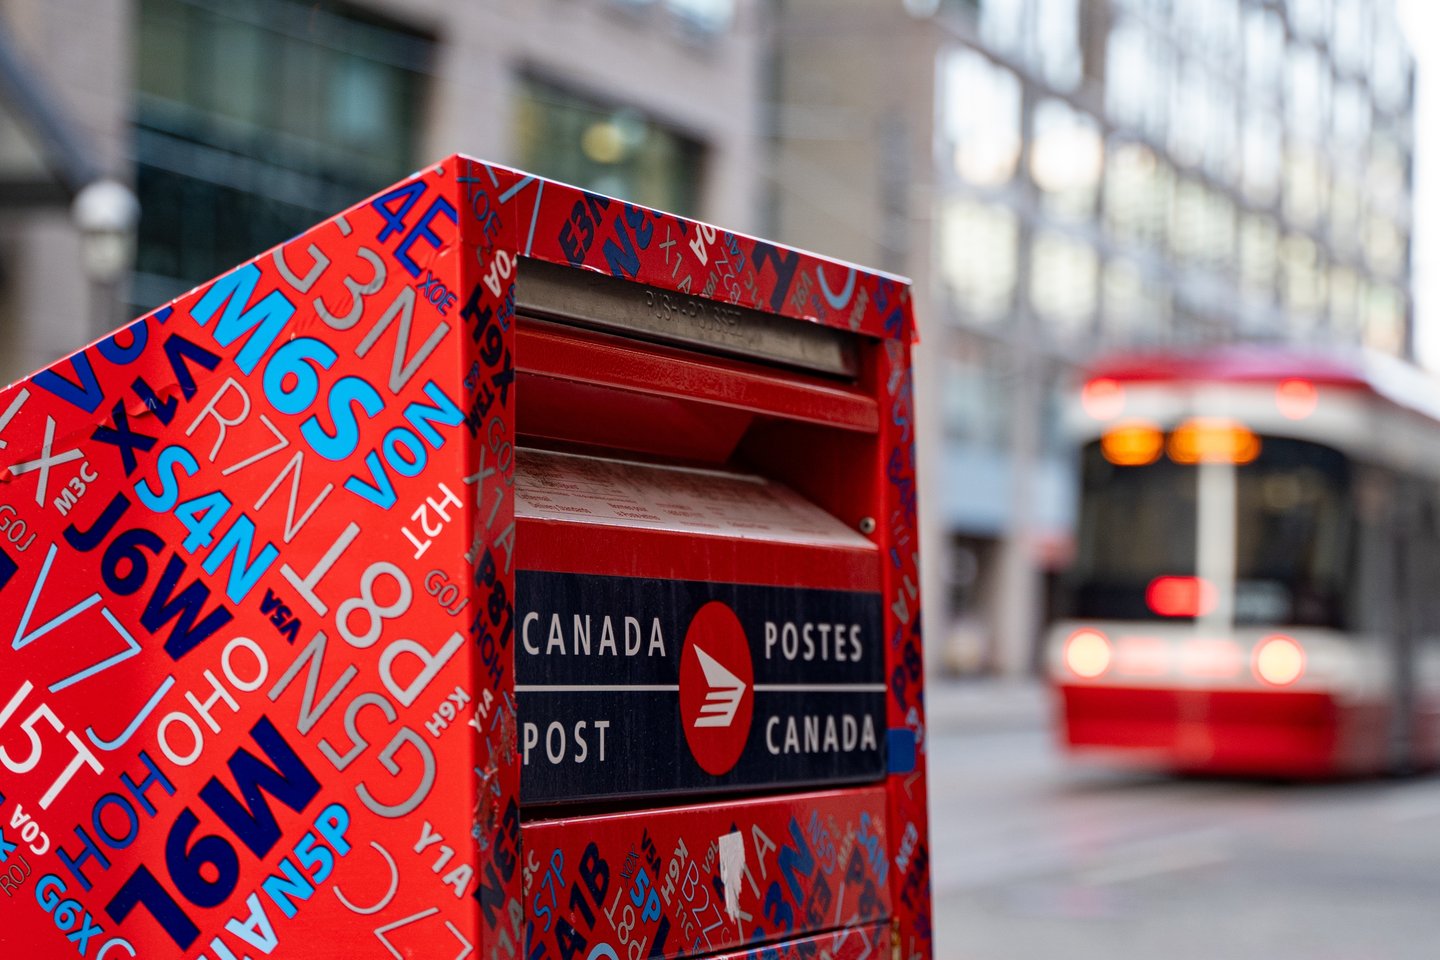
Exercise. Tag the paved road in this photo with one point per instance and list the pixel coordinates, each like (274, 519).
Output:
(1038, 856)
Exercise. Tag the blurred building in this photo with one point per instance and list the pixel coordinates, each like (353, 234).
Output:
(1060, 177)
(1065, 177)
(240, 122)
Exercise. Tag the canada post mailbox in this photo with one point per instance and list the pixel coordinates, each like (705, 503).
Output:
(497, 569)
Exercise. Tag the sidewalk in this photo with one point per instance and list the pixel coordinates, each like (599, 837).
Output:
(986, 703)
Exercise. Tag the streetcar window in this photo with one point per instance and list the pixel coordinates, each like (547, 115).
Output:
(1136, 523)
(1292, 527)
(1292, 530)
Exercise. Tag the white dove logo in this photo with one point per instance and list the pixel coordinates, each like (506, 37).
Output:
(717, 688)
(722, 699)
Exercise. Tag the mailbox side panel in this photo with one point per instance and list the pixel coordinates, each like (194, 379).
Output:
(908, 814)
(490, 217)
(236, 653)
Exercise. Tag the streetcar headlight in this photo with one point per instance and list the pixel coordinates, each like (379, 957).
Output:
(1103, 399)
(1279, 660)
(1296, 398)
(1087, 653)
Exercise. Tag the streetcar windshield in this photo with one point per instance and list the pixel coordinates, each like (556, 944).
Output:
(1285, 559)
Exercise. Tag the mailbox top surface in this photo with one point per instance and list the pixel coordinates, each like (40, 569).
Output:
(573, 227)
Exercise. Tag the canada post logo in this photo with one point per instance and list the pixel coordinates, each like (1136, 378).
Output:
(717, 688)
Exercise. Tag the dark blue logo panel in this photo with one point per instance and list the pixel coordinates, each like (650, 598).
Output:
(635, 687)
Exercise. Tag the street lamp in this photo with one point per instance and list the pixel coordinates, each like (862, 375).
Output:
(106, 213)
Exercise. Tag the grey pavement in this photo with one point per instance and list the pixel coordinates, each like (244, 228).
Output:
(986, 703)
(1039, 855)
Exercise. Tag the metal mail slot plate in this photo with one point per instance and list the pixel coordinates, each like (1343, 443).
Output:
(576, 488)
(607, 303)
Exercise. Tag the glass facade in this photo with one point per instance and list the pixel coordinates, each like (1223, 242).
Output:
(1177, 171)
(255, 119)
(615, 150)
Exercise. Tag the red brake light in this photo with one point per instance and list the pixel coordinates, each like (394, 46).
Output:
(1180, 596)
(1087, 653)
(1279, 660)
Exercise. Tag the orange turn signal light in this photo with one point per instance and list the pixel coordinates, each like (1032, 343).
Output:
(1134, 443)
(1213, 440)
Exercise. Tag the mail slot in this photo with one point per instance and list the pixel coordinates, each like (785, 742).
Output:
(495, 568)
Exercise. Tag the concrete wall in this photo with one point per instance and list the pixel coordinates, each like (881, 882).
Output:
(852, 170)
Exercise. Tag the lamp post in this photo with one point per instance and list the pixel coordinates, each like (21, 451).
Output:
(107, 214)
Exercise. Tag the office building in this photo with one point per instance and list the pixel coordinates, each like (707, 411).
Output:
(1069, 177)
(239, 122)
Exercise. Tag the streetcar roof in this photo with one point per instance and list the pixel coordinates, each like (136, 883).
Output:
(1401, 383)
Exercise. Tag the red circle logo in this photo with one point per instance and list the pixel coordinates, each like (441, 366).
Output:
(717, 688)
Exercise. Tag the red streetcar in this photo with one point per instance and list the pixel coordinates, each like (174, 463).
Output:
(1254, 588)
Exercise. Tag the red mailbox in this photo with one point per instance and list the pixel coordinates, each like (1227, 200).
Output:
(495, 569)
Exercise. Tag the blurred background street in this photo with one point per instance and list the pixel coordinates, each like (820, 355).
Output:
(1061, 179)
(1037, 856)
(1064, 181)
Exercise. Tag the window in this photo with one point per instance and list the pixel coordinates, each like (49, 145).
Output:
(1066, 158)
(1134, 307)
(704, 16)
(1345, 214)
(1063, 282)
(1386, 173)
(1056, 34)
(1352, 116)
(1210, 25)
(1138, 188)
(1126, 65)
(1344, 294)
(1350, 39)
(975, 397)
(257, 118)
(978, 258)
(1202, 226)
(1205, 131)
(1264, 54)
(1260, 175)
(1310, 18)
(1384, 246)
(1306, 187)
(1307, 93)
(1259, 240)
(1304, 279)
(980, 123)
(1390, 72)
(609, 149)
(1003, 25)
(1288, 512)
(1139, 67)
(1384, 318)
